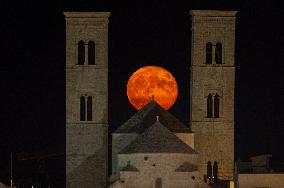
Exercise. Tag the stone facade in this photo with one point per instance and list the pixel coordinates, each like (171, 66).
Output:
(153, 155)
(187, 138)
(137, 124)
(268, 180)
(214, 137)
(161, 166)
(119, 141)
(86, 140)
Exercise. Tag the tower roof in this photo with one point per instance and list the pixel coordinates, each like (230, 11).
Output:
(145, 117)
(157, 139)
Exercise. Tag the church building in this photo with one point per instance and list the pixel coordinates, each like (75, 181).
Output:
(153, 148)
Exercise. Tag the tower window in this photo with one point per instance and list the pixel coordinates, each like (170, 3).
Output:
(82, 108)
(215, 171)
(209, 53)
(209, 106)
(91, 53)
(218, 53)
(81, 53)
(213, 106)
(209, 170)
(89, 108)
(86, 108)
(216, 105)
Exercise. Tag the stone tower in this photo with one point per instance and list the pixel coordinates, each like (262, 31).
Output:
(212, 91)
(86, 99)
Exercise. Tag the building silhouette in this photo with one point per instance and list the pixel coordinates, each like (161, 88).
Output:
(204, 155)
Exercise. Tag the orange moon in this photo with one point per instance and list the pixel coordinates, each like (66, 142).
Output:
(152, 81)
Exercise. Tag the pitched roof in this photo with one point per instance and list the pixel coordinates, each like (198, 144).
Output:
(186, 167)
(145, 117)
(157, 139)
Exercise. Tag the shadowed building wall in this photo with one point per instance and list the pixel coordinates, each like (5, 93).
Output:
(86, 99)
(212, 90)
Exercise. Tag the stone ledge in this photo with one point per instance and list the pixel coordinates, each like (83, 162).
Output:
(87, 14)
(213, 13)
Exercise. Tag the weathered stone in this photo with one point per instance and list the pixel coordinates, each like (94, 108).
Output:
(86, 141)
(214, 137)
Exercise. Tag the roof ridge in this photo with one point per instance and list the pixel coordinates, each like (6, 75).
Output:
(142, 119)
(158, 139)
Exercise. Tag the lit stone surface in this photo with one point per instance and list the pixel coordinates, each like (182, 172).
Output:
(214, 137)
(269, 180)
(86, 141)
(158, 150)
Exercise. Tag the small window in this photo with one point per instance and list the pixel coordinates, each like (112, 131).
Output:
(209, 170)
(158, 183)
(209, 106)
(82, 108)
(91, 53)
(218, 53)
(81, 53)
(89, 108)
(216, 106)
(215, 171)
(209, 53)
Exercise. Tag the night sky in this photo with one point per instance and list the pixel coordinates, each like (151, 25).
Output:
(140, 33)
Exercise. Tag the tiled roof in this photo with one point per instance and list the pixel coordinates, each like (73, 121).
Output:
(157, 139)
(147, 116)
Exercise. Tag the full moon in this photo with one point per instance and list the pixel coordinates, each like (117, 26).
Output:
(152, 81)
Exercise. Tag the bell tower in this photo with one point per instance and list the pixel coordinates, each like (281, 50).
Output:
(86, 99)
(212, 86)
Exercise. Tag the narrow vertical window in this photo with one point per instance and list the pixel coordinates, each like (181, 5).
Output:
(209, 106)
(82, 108)
(218, 53)
(91, 53)
(158, 183)
(209, 53)
(209, 171)
(81, 52)
(216, 106)
(215, 171)
(89, 108)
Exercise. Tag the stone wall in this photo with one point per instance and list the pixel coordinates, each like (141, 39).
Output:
(270, 180)
(151, 167)
(187, 138)
(119, 141)
(86, 141)
(214, 137)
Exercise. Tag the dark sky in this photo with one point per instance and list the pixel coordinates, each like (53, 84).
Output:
(141, 33)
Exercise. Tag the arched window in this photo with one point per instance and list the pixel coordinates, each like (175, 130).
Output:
(82, 108)
(216, 106)
(209, 170)
(218, 53)
(215, 171)
(209, 106)
(209, 53)
(89, 108)
(81, 52)
(91, 53)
